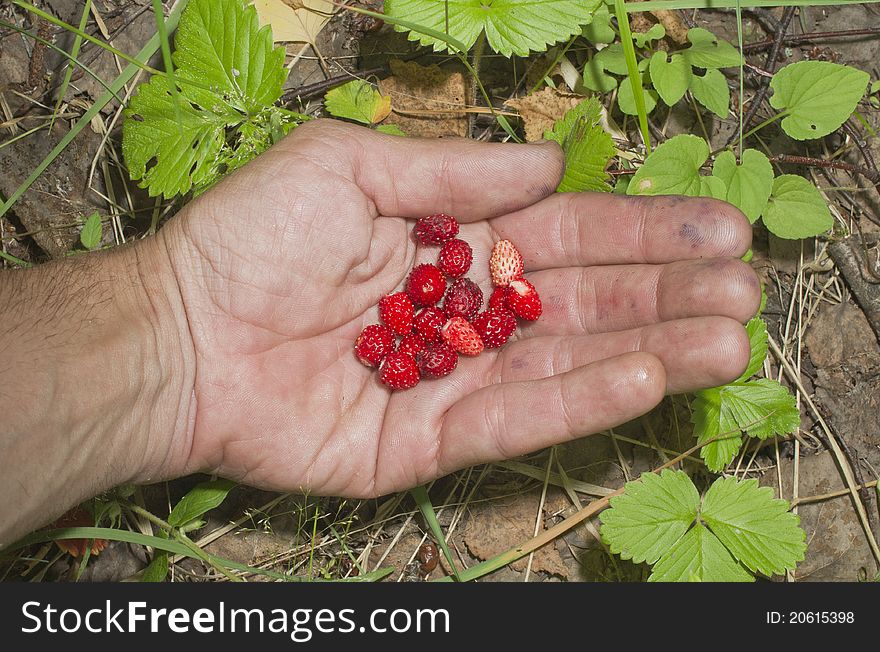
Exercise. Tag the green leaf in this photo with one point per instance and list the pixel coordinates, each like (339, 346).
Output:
(90, 236)
(226, 71)
(594, 77)
(654, 33)
(627, 103)
(672, 169)
(357, 100)
(699, 557)
(650, 516)
(671, 76)
(711, 91)
(748, 184)
(709, 51)
(393, 130)
(758, 529)
(758, 344)
(157, 570)
(796, 209)
(599, 30)
(612, 59)
(711, 421)
(712, 187)
(511, 26)
(588, 148)
(816, 96)
(761, 407)
(200, 499)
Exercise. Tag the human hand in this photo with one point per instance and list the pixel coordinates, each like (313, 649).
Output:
(282, 264)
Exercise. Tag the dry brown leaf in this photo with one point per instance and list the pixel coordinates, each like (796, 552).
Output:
(295, 21)
(426, 100)
(540, 110)
(498, 526)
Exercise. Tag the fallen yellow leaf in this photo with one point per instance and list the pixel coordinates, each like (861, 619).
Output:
(295, 21)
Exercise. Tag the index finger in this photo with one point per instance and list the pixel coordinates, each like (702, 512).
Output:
(579, 229)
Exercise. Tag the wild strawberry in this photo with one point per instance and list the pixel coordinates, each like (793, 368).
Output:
(523, 300)
(455, 257)
(498, 299)
(464, 298)
(411, 344)
(494, 327)
(428, 322)
(436, 229)
(461, 336)
(399, 371)
(505, 263)
(437, 360)
(396, 312)
(426, 285)
(373, 344)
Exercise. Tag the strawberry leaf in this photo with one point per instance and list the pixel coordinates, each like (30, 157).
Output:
(699, 557)
(711, 422)
(228, 75)
(588, 148)
(511, 26)
(758, 344)
(758, 529)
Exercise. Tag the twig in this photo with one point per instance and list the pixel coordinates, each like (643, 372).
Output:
(808, 161)
(794, 39)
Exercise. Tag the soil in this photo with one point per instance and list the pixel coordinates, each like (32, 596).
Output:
(811, 313)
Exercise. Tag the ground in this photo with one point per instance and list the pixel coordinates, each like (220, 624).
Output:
(826, 339)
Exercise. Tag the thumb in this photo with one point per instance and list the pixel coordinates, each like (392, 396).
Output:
(413, 177)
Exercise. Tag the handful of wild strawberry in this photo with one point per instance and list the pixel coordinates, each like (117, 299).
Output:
(432, 335)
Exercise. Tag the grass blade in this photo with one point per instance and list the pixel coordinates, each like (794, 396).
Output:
(632, 67)
(420, 495)
(74, 53)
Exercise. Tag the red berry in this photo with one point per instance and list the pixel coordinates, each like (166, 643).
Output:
(428, 322)
(455, 257)
(498, 299)
(437, 360)
(436, 229)
(505, 263)
(494, 327)
(396, 312)
(523, 300)
(426, 285)
(373, 344)
(464, 298)
(411, 344)
(461, 336)
(399, 371)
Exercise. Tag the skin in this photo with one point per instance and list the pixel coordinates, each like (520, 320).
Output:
(224, 343)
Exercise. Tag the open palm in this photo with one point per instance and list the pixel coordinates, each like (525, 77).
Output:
(282, 265)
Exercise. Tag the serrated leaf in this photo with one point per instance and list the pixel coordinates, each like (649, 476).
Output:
(227, 71)
(357, 100)
(758, 529)
(673, 168)
(710, 421)
(671, 76)
(761, 407)
(796, 209)
(90, 236)
(711, 91)
(200, 499)
(709, 51)
(699, 557)
(650, 516)
(588, 148)
(748, 184)
(758, 344)
(511, 26)
(626, 102)
(816, 96)
(654, 33)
